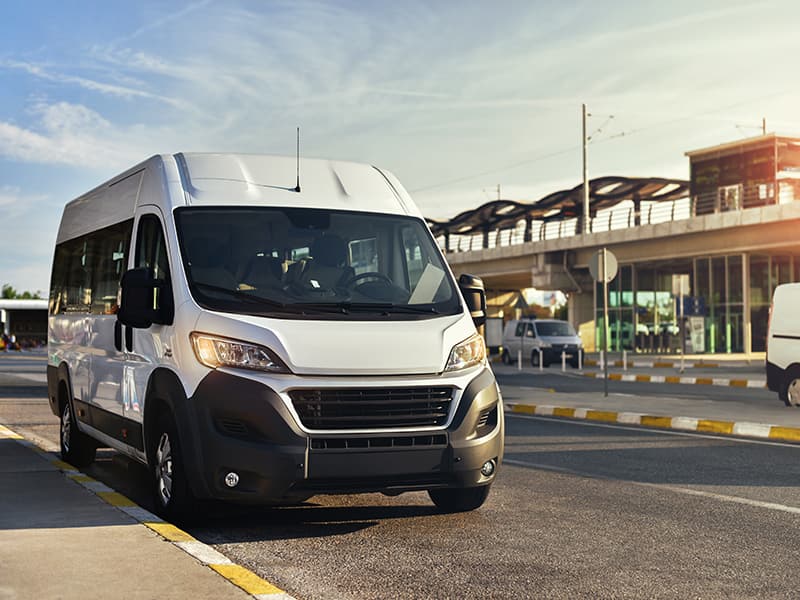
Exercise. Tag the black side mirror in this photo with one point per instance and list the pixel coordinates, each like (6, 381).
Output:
(138, 294)
(474, 296)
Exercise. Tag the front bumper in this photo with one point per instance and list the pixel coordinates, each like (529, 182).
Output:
(237, 424)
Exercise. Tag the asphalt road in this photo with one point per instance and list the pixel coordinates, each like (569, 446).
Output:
(578, 510)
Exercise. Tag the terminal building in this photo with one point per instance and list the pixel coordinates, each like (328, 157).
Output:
(724, 238)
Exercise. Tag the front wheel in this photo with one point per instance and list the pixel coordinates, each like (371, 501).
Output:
(173, 496)
(77, 448)
(506, 357)
(453, 500)
(790, 393)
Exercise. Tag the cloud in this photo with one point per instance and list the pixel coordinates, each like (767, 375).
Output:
(69, 134)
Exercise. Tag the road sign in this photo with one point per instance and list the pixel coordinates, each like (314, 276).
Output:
(595, 265)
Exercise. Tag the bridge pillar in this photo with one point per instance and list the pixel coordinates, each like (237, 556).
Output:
(580, 312)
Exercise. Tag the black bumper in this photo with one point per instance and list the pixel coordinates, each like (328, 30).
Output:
(232, 424)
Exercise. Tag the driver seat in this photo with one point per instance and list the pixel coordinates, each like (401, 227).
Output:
(327, 267)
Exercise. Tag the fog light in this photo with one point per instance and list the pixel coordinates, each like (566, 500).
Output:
(488, 468)
(232, 479)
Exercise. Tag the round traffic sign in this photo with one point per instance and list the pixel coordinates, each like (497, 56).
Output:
(596, 265)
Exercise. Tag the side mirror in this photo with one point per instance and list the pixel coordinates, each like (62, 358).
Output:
(138, 294)
(474, 296)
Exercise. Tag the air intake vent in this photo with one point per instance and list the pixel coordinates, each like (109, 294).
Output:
(372, 408)
(417, 441)
(233, 427)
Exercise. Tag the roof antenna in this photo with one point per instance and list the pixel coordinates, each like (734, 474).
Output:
(297, 188)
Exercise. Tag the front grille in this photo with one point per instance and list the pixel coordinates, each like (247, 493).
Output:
(372, 408)
(370, 443)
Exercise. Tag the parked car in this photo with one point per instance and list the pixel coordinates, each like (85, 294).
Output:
(541, 338)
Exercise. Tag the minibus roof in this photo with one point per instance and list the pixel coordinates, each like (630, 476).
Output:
(252, 179)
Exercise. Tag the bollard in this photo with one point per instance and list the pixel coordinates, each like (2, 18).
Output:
(602, 359)
(541, 362)
(519, 360)
(580, 359)
(624, 360)
(563, 361)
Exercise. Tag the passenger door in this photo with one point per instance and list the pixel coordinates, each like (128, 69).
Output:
(109, 261)
(147, 348)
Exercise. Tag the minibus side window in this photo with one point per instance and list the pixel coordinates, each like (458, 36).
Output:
(110, 261)
(520, 329)
(77, 283)
(151, 253)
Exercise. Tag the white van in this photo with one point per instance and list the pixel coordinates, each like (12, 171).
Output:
(543, 339)
(256, 338)
(783, 344)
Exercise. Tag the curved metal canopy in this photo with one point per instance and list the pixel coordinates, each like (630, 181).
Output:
(604, 192)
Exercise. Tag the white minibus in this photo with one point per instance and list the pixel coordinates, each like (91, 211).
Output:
(258, 336)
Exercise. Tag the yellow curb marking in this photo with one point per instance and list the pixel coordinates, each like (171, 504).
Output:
(64, 466)
(527, 409)
(116, 499)
(601, 415)
(785, 433)
(615, 376)
(672, 379)
(563, 412)
(725, 427)
(704, 381)
(738, 382)
(650, 421)
(663, 365)
(592, 375)
(246, 579)
(169, 532)
(643, 378)
(81, 478)
(710, 365)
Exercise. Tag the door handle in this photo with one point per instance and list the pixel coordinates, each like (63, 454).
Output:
(129, 338)
(118, 335)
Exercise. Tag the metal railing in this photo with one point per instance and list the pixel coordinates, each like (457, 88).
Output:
(623, 216)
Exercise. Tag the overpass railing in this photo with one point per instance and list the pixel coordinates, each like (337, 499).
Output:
(623, 216)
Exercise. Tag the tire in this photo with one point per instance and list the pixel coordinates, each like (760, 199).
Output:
(790, 391)
(455, 500)
(535, 358)
(77, 448)
(573, 363)
(506, 357)
(173, 496)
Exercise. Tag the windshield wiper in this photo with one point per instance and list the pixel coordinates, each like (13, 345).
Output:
(261, 300)
(381, 307)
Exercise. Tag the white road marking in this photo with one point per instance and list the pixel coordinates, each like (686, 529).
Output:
(660, 486)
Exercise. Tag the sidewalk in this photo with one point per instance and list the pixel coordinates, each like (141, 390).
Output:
(739, 417)
(64, 535)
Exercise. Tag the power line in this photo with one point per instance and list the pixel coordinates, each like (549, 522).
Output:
(628, 133)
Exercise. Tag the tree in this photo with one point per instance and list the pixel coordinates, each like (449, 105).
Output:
(9, 293)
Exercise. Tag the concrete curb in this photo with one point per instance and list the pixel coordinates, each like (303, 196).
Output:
(739, 428)
(239, 576)
(655, 364)
(721, 381)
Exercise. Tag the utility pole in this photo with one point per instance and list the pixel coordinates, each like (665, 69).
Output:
(586, 214)
(763, 125)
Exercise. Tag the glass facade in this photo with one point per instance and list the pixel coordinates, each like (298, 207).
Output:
(726, 305)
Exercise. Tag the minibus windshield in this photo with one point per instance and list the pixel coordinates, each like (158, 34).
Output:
(300, 261)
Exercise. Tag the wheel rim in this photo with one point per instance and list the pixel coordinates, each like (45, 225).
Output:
(164, 469)
(793, 391)
(66, 427)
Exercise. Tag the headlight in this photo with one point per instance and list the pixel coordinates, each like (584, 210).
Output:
(216, 352)
(468, 353)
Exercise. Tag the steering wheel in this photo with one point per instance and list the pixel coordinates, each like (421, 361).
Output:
(368, 275)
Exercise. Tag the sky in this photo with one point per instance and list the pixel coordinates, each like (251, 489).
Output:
(454, 97)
